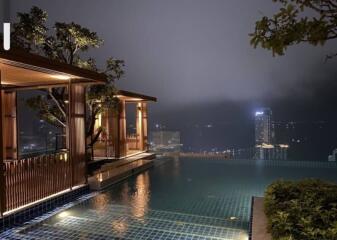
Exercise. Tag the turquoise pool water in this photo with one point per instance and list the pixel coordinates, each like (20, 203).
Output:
(182, 198)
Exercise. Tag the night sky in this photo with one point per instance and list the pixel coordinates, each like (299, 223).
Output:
(195, 56)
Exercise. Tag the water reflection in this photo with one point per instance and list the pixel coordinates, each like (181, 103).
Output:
(137, 197)
(101, 202)
(120, 227)
(180, 196)
(140, 199)
(176, 166)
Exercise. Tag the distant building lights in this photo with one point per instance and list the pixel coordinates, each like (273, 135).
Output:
(259, 113)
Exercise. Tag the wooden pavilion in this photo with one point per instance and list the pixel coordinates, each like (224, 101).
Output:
(25, 181)
(117, 142)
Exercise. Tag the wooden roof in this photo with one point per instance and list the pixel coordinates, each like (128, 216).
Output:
(22, 69)
(132, 96)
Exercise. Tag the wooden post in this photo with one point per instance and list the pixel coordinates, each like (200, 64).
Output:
(144, 126)
(2, 157)
(110, 124)
(141, 125)
(77, 146)
(10, 125)
(122, 129)
(119, 130)
(114, 132)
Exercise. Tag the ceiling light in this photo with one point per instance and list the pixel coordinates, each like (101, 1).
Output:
(61, 77)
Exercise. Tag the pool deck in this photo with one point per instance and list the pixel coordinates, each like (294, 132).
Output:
(259, 220)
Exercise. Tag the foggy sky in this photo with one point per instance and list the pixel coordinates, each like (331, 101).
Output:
(190, 51)
(195, 56)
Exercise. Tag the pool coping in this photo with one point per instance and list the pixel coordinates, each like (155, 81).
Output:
(258, 221)
(43, 210)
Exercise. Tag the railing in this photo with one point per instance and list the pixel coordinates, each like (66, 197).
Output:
(132, 141)
(34, 178)
(104, 148)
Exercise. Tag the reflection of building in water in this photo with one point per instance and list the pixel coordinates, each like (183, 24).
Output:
(140, 199)
(101, 202)
(120, 226)
(271, 152)
(165, 141)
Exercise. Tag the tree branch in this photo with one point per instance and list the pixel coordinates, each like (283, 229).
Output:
(56, 102)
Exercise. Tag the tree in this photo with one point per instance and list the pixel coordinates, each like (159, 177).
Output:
(30, 31)
(66, 43)
(297, 21)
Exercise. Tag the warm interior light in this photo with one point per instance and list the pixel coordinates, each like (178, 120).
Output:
(61, 77)
(100, 177)
(100, 119)
(128, 98)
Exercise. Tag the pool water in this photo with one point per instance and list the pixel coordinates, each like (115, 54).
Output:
(186, 198)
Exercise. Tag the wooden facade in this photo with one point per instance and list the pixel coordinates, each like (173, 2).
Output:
(24, 181)
(116, 143)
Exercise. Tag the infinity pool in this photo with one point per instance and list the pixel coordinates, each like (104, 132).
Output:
(182, 198)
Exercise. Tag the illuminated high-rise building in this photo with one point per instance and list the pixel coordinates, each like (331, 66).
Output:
(263, 126)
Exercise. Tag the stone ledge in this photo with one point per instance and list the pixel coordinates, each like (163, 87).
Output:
(259, 220)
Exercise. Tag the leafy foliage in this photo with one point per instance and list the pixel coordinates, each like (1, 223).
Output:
(66, 42)
(303, 210)
(30, 30)
(297, 21)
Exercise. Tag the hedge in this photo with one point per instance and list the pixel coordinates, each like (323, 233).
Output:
(302, 210)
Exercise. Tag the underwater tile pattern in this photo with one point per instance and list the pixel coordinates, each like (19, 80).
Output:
(117, 222)
(178, 199)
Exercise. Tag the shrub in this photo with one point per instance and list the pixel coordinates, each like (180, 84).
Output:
(302, 210)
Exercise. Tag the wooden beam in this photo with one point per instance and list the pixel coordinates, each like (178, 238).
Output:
(136, 95)
(44, 85)
(23, 59)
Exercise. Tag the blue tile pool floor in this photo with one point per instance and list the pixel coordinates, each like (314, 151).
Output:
(181, 199)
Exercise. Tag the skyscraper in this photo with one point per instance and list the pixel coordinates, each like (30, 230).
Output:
(263, 126)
